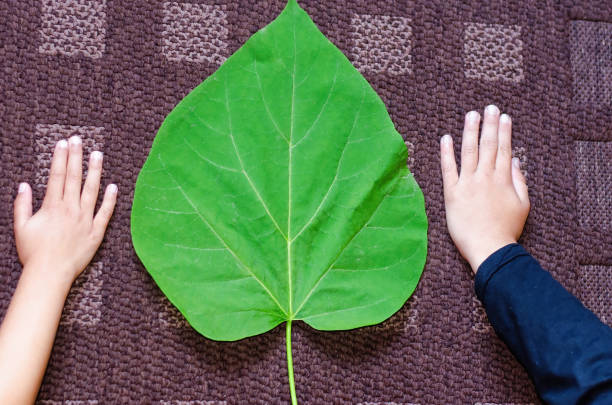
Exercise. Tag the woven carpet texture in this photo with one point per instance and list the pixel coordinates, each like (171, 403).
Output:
(111, 70)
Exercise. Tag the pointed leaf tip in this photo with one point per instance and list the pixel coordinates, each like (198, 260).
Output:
(292, 4)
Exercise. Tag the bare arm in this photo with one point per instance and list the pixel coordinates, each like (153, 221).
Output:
(54, 246)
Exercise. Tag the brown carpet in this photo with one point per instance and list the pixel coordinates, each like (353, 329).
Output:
(111, 70)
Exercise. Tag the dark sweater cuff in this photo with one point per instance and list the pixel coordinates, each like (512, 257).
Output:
(494, 263)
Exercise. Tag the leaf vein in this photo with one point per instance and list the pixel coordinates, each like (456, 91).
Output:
(240, 261)
(347, 309)
(382, 268)
(339, 254)
(337, 168)
(229, 117)
(171, 212)
(315, 58)
(174, 245)
(290, 164)
(220, 166)
(329, 94)
(207, 125)
(265, 103)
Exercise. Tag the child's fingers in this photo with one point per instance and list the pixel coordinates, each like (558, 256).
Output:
(488, 138)
(92, 184)
(447, 162)
(57, 173)
(23, 206)
(74, 174)
(520, 184)
(469, 143)
(106, 211)
(504, 147)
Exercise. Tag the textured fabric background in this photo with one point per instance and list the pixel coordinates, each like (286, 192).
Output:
(111, 70)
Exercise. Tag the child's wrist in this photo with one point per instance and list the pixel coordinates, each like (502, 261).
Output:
(51, 275)
(478, 256)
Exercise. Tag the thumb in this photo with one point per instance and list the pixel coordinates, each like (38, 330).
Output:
(518, 179)
(23, 206)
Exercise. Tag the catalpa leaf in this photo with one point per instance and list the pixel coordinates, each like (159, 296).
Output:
(278, 190)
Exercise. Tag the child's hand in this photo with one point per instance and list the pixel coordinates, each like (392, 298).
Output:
(487, 205)
(61, 238)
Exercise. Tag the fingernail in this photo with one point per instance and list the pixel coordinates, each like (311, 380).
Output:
(516, 163)
(492, 110)
(62, 144)
(505, 118)
(472, 116)
(446, 139)
(22, 187)
(96, 155)
(112, 188)
(75, 140)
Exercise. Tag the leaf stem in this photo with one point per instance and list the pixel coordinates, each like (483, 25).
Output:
(290, 365)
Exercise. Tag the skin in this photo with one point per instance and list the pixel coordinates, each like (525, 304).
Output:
(487, 203)
(54, 246)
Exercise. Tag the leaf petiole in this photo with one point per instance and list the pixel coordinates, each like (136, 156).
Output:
(290, 365)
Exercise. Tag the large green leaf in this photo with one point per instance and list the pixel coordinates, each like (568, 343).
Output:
(277, 190)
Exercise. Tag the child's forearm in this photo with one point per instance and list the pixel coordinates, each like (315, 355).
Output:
(27, 333)
(54, 246)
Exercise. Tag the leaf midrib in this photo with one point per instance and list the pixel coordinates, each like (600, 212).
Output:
(292, 125)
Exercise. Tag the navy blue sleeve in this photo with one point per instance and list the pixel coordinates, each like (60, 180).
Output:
(565, 348)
